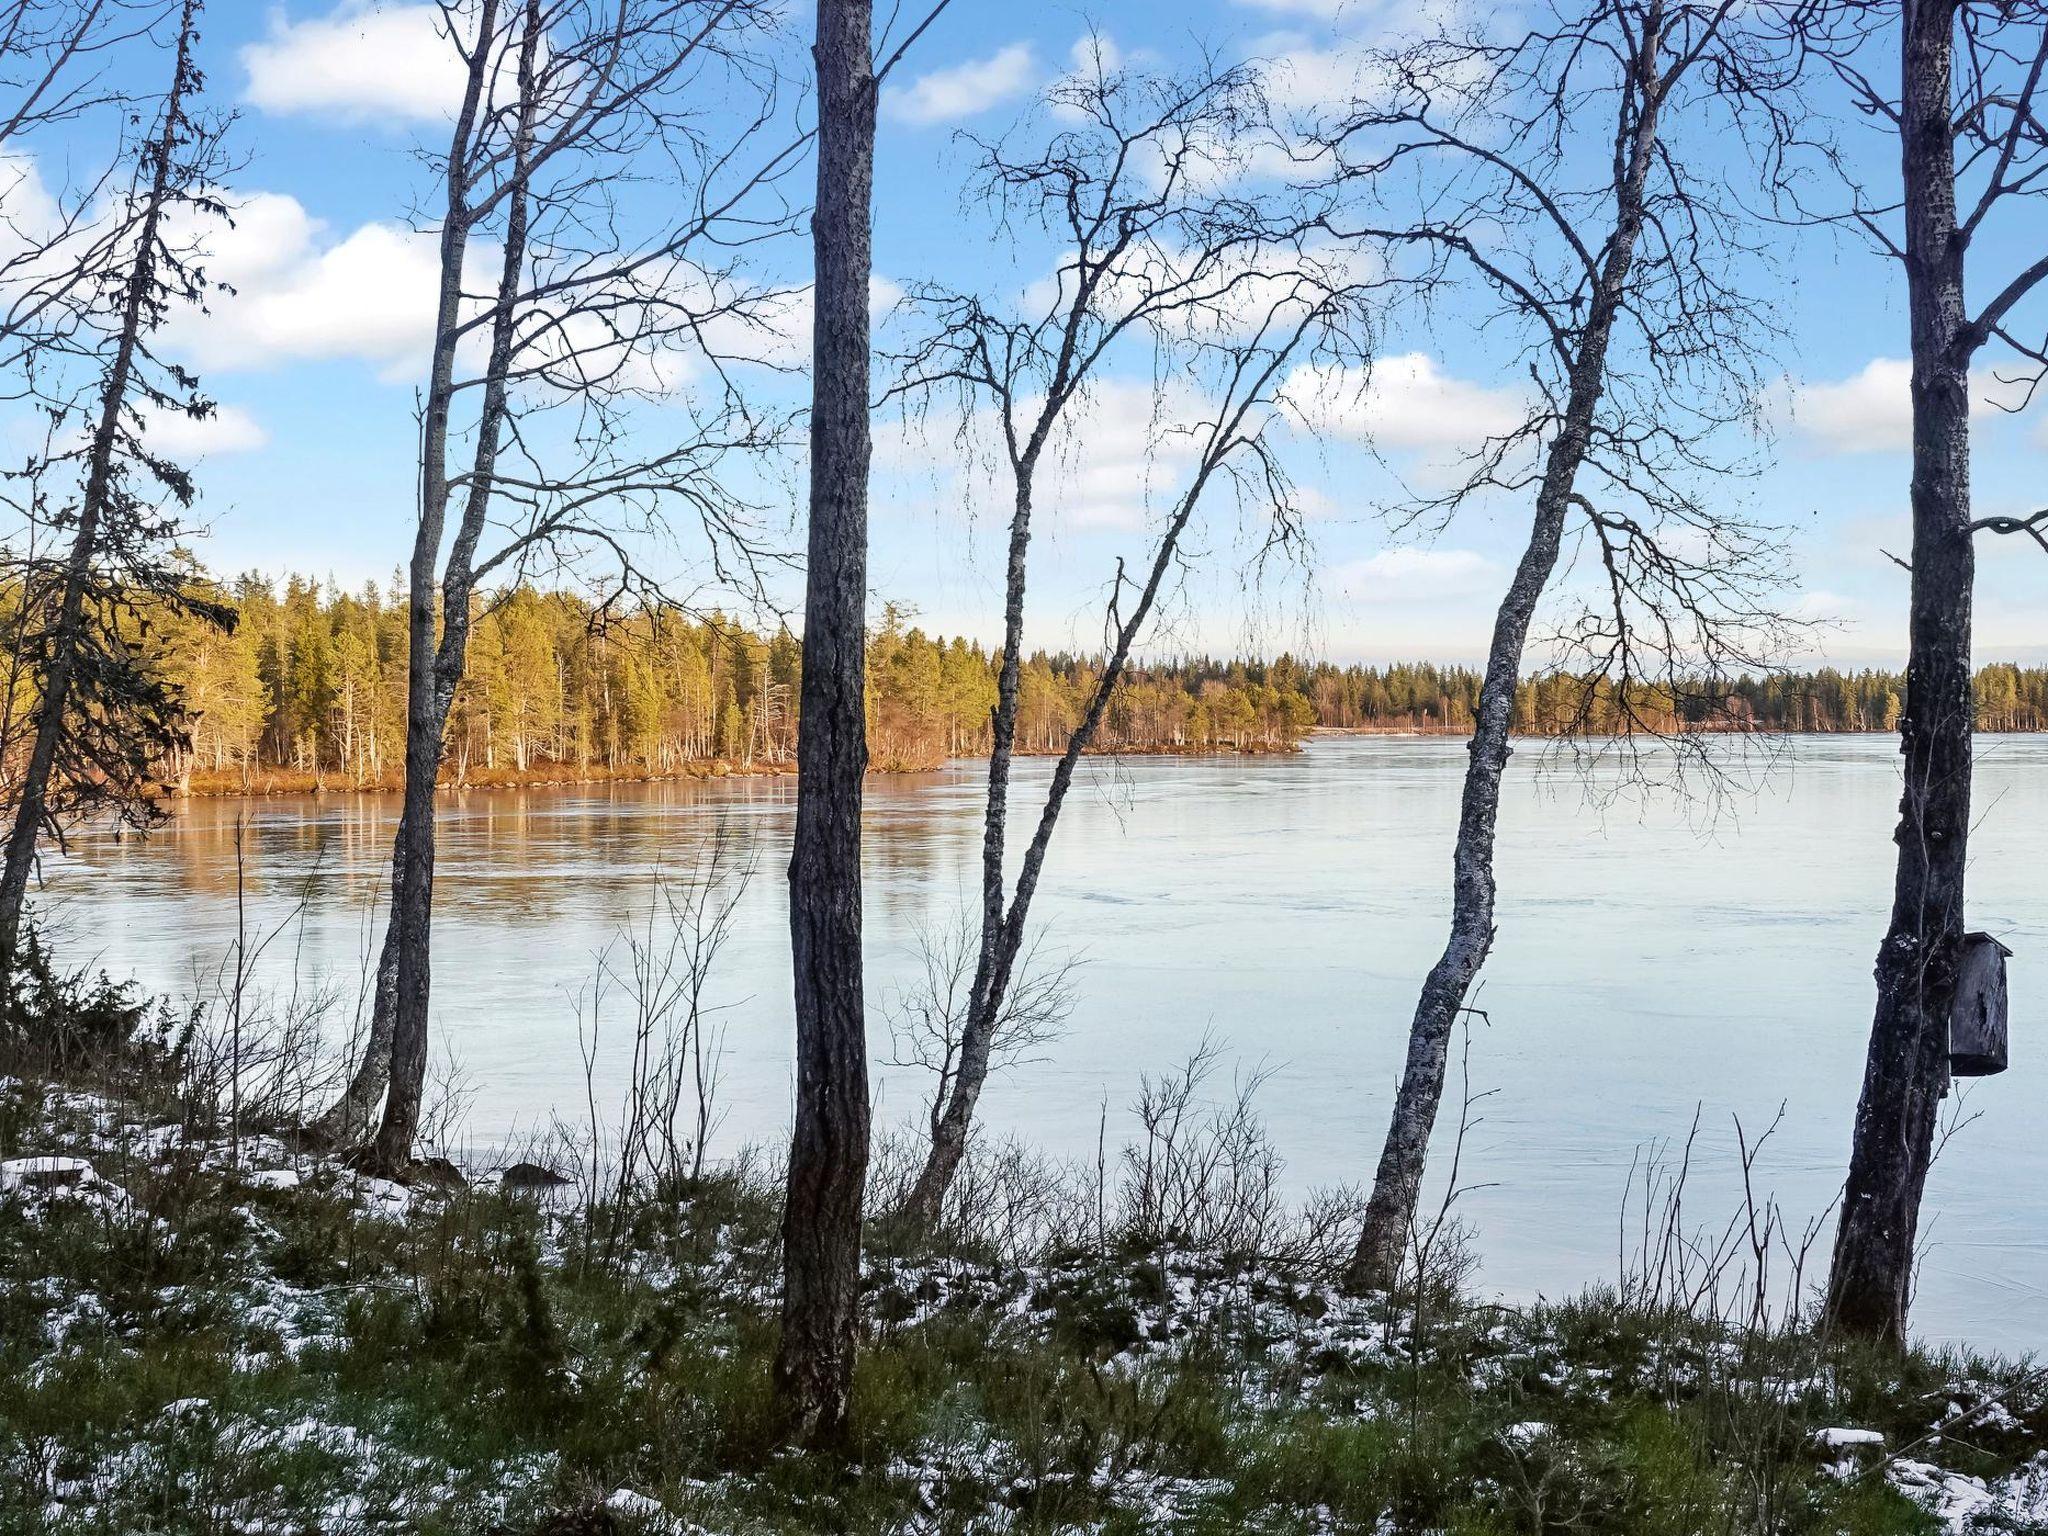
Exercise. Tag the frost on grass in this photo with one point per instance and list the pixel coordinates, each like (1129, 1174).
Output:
(199, 1333)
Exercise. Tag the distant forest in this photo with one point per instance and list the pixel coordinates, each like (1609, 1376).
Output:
(310, 687)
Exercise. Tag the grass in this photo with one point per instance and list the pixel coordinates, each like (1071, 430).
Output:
(185, 1346)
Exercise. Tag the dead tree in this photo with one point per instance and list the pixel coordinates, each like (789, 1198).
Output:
(1973, 154)
(63, 70)
(533, 435)
(101, 719)
(1552, 173)
(1212, 289)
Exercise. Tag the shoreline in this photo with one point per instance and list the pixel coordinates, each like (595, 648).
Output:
(285, 782)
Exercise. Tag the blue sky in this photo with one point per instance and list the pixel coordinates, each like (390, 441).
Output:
(316, 359)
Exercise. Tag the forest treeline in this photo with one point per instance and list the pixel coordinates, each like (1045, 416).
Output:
(310, 684)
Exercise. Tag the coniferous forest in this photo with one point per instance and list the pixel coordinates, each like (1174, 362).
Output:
(308, 687)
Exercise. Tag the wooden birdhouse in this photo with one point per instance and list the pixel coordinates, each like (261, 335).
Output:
(1977, 1027)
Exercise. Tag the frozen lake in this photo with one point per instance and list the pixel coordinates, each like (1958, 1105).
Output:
(1646, 966)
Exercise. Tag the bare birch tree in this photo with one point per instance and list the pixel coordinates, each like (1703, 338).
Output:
(1973, 156)
(564, 311)
(100, 717)
(1577, 172)
(1220, 293)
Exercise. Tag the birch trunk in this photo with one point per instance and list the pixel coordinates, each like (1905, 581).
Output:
(953, 1120)
(1397, 1183)
(434, 672)
(396, 1050)
(347, 1122)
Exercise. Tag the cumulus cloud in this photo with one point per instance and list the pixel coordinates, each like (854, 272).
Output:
(28, 209)
(292, 288)
(1121, 448)
(1871, 411)
(229, 429)
(1309, 75)
(1121, 453)
(1819, 605)
(303, 290)
(300, 292)
(1313, 66)
(1405, 401)
(1413, 575)
(360, 61)
(961, 90)
(1239, 293)
(776, 332)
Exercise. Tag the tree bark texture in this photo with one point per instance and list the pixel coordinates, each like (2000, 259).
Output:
(1906, 1070)
(954, 1121)
(347, 1121)
(828, 1154)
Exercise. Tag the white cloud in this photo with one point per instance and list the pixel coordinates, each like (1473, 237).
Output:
(1404, 401)
(1238, 294)
(1868, 412)
(1093, 57)
(1412, 575)
(1322, 10)
(361, 61)
(300, 293)
(28, 211)
(1119, 451)
(230, 429)
(961, 90)
(1822, 606)
(303, 291)
(1871, 411)
(1314, 68)
(1119, 454)
(290, 288)
(1301, 74)
(1095, 53)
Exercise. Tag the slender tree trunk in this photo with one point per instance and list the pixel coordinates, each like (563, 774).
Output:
(55, 694)
(347, 1122)
(1376, 1263)
(1906, 1071)
(412, 912)
(1397, 1183)
(1004, 928)
(953, 1117)
(828, 1154)
(434, 669)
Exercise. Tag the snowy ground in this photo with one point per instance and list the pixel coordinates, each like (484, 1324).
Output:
(281, 1346)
